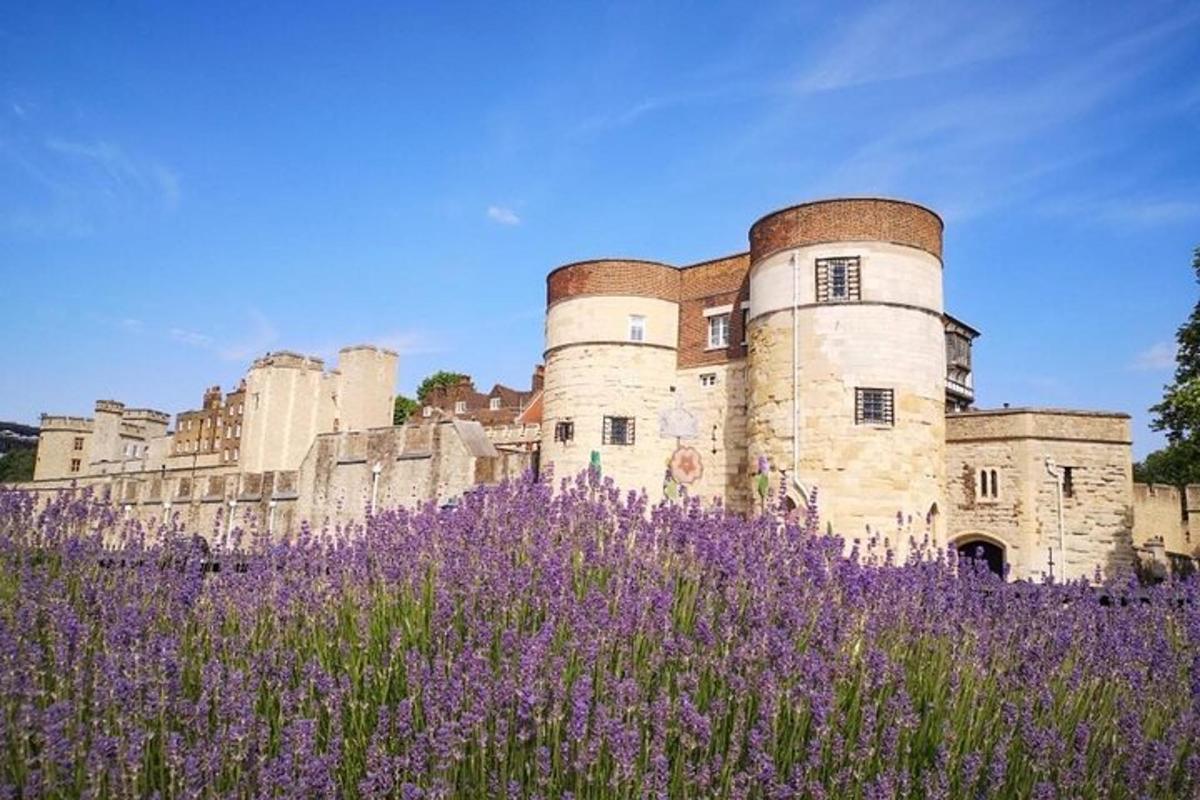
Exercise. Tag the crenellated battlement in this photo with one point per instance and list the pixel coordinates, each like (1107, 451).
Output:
(58, 422)
(288, 359)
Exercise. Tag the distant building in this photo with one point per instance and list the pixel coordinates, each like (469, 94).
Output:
(500, 406)
(292, 442)
(15, 436)
(215, 427)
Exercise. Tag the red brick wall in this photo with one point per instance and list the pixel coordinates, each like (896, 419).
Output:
(614, 277)
(847, 221)
(725, 281)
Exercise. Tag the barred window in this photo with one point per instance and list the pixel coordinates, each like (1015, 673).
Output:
(838, 279)
(564, 431)
(873, 407)
(618, 430)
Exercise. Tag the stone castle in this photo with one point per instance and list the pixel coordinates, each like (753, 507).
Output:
(821, 359)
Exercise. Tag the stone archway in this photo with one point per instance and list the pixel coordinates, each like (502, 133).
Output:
(988, 549)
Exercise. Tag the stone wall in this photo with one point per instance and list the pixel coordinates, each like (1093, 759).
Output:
(719, 406)
(332, 487)
(1161, 512)
(1097, 500)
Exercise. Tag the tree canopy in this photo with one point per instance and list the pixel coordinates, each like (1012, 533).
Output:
(1178, 415)
(403, 408)
(17, 465)
(439, 378)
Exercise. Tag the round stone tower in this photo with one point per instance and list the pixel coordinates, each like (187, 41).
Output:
(612, 329)
(846, 363)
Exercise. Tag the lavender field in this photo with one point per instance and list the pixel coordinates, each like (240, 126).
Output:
(543, 645)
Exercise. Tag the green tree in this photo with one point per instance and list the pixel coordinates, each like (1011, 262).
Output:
(439, 378)
(1178, 415)
(404, 408)
(17, 465)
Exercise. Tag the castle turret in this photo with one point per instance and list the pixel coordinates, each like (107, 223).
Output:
(284, 411)
(847, 361)
(612, 332)
(106, 431)
(366, 387)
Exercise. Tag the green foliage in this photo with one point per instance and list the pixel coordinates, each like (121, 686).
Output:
(17, 465)
(404, 408)
(1176, 464)
(1178, 415)
(439, 378)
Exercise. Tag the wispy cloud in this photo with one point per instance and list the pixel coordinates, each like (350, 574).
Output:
(1157, 357)
(191, 338)
(132, 325)
(503, 215)
(254, 342)
(900, 39)
(121, 172)
(407, 343)
(74, 187)
(973, 146)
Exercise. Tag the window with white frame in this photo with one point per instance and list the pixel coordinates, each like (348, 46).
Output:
(708, 379)
(564, 430)
(494, 404)
(637, 328)
(718, 331)
(460, 406)
(427, 411)
(838, 280)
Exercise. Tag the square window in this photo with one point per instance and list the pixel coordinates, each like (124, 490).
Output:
(838, 280)
(873, 407)
(637, 328)
(618, 430)
(708, 379)
(718, 331)
(564, 431)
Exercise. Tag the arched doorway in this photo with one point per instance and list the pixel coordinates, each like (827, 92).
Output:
(988, 551)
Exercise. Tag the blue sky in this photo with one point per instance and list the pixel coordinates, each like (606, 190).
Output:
(186, 186)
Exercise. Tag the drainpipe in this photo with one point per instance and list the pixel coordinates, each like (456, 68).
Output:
(271, 517)
(795, 380)
(375, 470)
(1056, 473)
